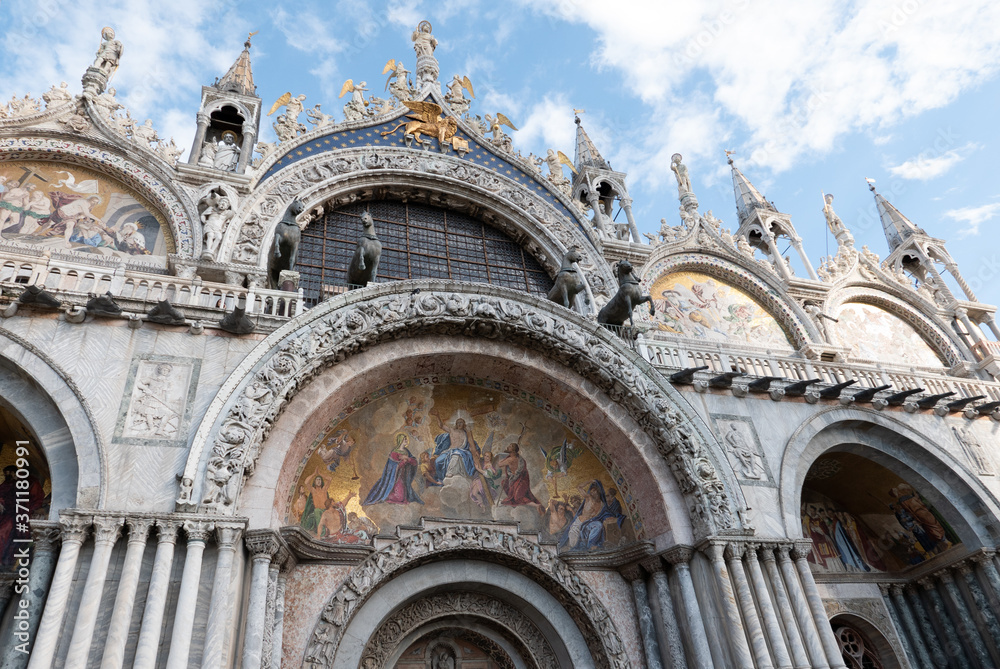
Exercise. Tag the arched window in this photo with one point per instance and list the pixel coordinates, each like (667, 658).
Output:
(418, 242)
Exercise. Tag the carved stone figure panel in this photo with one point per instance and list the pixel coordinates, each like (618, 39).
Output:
(157, 403)
(739, 438)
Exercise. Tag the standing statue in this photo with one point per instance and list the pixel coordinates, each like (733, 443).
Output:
(227, 154)
(218, 212)
(56, 96)
(364, 264)
(287, 125)
(424, 42)
(629, 296)
(681, 172)
(456, 98)
(397, 83)
(207, 157)
(354, 110)
(109, 53)
(286, 242)
(569, 281)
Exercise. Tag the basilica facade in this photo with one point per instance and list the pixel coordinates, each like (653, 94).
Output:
(388, 393)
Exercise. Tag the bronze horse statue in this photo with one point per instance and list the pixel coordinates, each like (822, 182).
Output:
(287, 235)
(629, 296)
(364, 264)
(569, 281)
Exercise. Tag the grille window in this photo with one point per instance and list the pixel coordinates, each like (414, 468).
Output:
(418, 242)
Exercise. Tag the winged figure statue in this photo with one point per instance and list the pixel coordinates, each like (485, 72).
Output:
(425, 119)
(354, 110)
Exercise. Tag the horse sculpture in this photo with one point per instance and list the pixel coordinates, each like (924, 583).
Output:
(286, 242)
(569, 281)
(628, 297)
(364, 264)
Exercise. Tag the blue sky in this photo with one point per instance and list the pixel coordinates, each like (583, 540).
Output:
(811, 96)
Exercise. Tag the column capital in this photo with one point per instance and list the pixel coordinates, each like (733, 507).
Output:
(945, 576)
(801, 549)
(249, 129)
(715, 550)
(632, 573)
(884, 589)
(202, 118)
(767, 552)
(138, 529)
(45, 535)
(784, 552)
(653, 564)
(735, 550)
(678, 555)
(262, 543)
(751, 550)
(107, 529)
(984, 556)
(75, 528)
(166, 529)
(964, 567)
(228, 534)
(198, 530)
(896, 589)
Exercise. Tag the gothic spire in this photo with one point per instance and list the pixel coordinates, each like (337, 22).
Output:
(239, 78)
(748, 198)
(897, 227)
(587, 154)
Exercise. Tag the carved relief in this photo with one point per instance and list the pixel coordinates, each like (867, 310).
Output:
(157, 401)
(328, 335)
(562, 582)
(739, 438)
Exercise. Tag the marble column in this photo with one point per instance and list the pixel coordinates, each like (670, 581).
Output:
(647, 628)
(107, 529)
(799, 658)
(187, 599)
(121, 615)
(804, 257)
(953, 644)
(917, 643)
(279, 615)
(807, 625)
(74, 532)
(979, 598)
(246, 148)
(734, 560)
(671, 635)
(45, 538)
(966, 623)
(830, 645)
(595, 205)
(627, 206)
(156, 597)
(901, 633)
(769, 617)
(679, 557)
(924, 625)
(262, 545)
(199, 138)
(227, 535)
(730, 609)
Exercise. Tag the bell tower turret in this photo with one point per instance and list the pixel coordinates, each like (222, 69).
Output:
(596, 184)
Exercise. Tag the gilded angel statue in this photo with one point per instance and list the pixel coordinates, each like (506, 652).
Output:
(354, 110)
(455, 96)
(398, 83)
(287, 125)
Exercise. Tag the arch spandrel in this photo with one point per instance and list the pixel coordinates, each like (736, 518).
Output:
(916, 458)
(170, 205)
(229, 440)
(349, 174)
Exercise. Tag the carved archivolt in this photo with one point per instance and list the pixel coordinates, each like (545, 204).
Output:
(465, 541)
(240, 418)
(318, 179)
(386, 639)
(118, 167)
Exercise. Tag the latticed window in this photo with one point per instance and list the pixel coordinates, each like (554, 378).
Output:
(418, 242)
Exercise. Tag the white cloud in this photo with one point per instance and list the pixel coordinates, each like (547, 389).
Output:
(798, 76)
(549, 124)
(974, 217)
(925, 166)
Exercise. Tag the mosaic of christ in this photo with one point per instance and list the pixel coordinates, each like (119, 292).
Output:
(69, 208)
(463, 452)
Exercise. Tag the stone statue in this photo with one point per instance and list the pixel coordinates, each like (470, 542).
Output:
(316, 117)
(569, 281)
(681, 172)
(398, 83)
(832, 220)
(56, 96)
(287, 125)
(227, 154)
(109, 53)
(217, 213)
(169, 151)
(354, 110)
(364, 264)
(629, 296)
(108, 103)
(455, 96)
(286, 242)
(144, 133)
(424, 42)
(207, 157)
